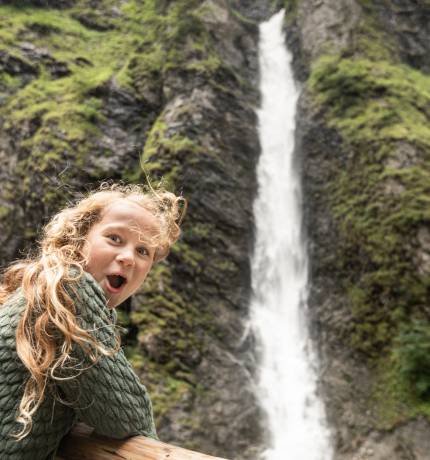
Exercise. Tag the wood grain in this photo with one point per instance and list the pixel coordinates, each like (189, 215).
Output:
(81, 444)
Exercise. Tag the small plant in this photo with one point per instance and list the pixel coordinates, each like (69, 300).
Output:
(413, 355)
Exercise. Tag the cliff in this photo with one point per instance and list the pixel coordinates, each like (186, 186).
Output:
(363, 138)
(97, 89)
(94, 90)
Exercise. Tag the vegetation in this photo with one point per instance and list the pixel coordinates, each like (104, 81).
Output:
(69, 56)
(413, 353)
(379, 197)
(291, 7)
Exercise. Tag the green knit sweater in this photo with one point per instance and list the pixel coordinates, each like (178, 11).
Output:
(107, 395)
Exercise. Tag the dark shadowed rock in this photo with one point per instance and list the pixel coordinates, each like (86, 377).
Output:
(409, 22)
(40, 3)
(14, 65)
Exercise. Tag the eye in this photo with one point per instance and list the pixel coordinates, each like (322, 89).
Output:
(142, 251)
(114, 238)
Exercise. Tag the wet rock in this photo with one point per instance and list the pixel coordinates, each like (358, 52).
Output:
(95, 21)
(410, 442)
(42, 3)
(14, 65)
(256, 11)
(82, 61)
(56, 68)
(423, 253)
(320, 27)
(326, 23)
(408, 21)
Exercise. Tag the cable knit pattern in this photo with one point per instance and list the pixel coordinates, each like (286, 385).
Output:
(106, 395)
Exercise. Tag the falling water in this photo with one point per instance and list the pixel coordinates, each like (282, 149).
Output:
(287, 379)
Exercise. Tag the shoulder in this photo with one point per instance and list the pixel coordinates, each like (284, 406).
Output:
(11, 311)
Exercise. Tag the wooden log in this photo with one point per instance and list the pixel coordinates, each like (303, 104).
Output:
(81, 444)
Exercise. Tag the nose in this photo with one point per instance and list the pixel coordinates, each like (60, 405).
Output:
(126, 257)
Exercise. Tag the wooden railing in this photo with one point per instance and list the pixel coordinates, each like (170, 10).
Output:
(81, 444)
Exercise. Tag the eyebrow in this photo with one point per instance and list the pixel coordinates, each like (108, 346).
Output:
(116, 226)
(127, 228)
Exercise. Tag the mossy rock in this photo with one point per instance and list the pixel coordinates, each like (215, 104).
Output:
(380, 198)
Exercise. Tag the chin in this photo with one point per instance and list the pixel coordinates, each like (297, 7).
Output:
(112, 303)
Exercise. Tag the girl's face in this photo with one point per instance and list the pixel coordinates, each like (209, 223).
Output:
(118, 249)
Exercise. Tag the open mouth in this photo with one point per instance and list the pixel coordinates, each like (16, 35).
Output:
(116, 281)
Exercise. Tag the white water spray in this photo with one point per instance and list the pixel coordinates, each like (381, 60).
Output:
(287, 380)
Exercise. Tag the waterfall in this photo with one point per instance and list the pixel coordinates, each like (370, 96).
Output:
(287, 373)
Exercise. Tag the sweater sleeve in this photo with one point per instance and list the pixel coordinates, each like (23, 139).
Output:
(106, 395)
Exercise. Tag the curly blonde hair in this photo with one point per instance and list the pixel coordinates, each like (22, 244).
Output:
(49, 312)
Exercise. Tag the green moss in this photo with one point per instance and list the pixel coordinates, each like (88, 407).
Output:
(144, 43)
(167, 392)
(49, 20)
(225, 266)
(175, 39)
(241, 18)
(373, 101)
(63, 116)
(394, 399)
(135, 356)
(133, 175)
(164, 151)
(200, 230)
(412, 350)
(4, 212)
(164, 309)
(9, 83)
(379, 196)
(123, 318)
(170, 322)
(171, 144)
(391, 398)
(369, 39)
(374, 107)
(291, 8)
(189, 256)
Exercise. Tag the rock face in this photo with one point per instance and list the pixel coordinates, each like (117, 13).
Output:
(95, 91)
(362, 143)
(408, 21)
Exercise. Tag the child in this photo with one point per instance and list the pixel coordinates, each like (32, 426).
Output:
(60, 359)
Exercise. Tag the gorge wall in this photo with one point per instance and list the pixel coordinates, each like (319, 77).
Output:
(95, 89)
(363, 139)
